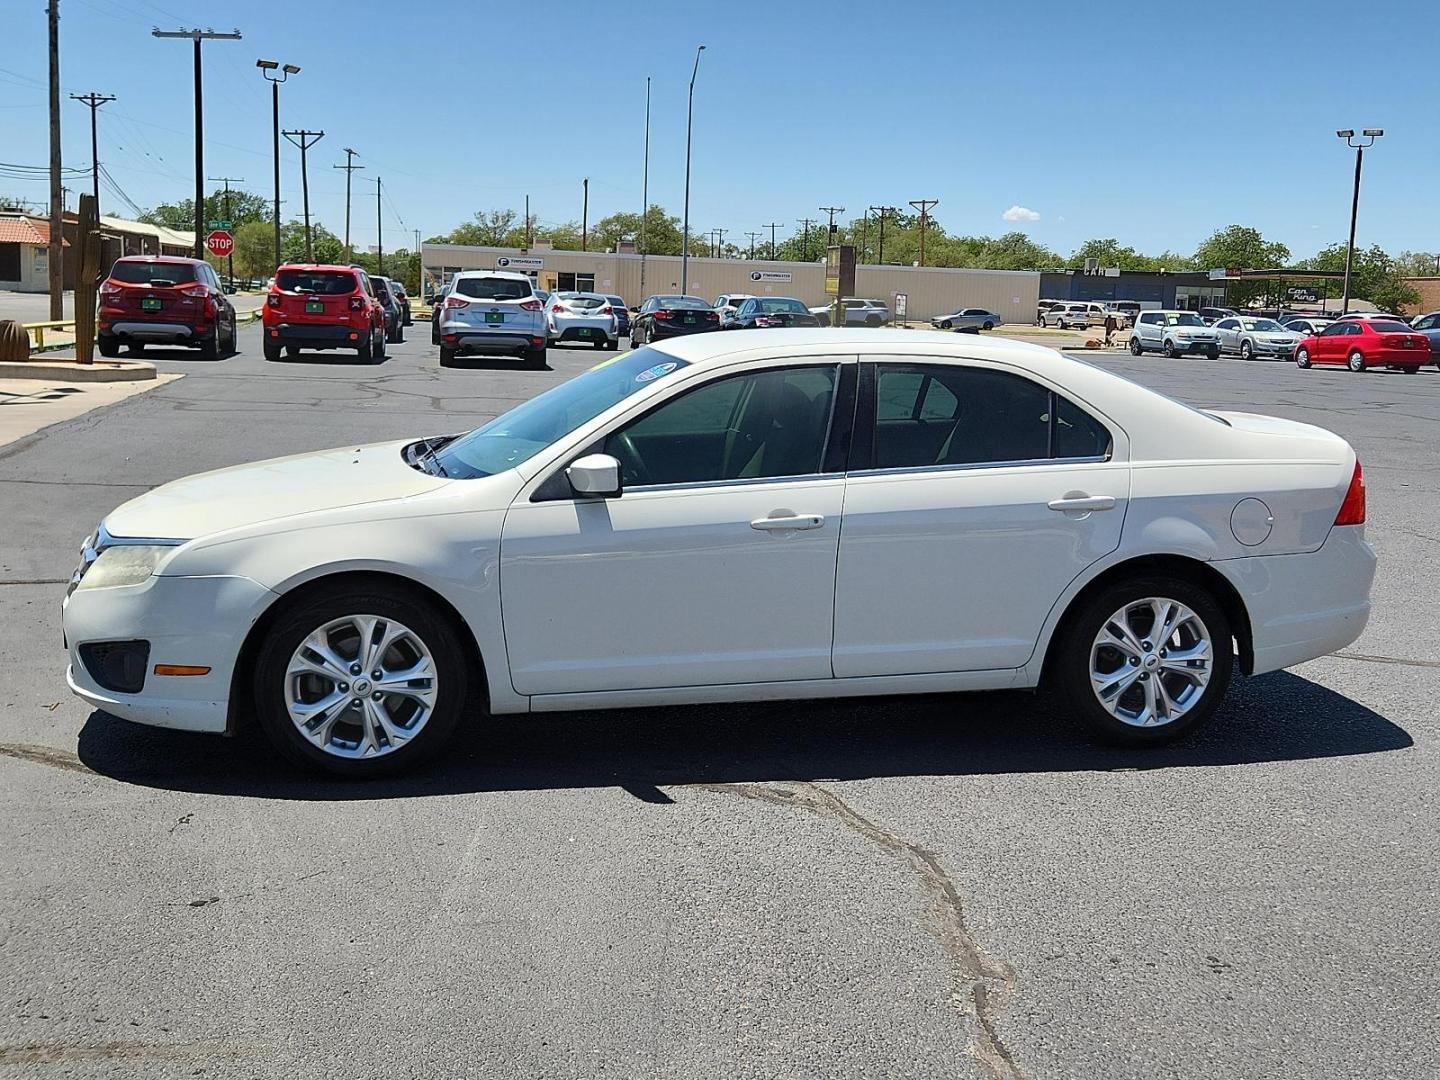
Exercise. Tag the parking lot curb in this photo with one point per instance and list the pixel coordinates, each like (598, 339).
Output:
(69, 371)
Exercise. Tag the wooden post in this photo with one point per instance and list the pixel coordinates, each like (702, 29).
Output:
(86, 280)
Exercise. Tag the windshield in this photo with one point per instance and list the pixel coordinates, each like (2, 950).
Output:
(322, 282)
(1264, 325)
(1184, 318)
(527, 429)
(782, 303)
(153, 273)
(492, 288)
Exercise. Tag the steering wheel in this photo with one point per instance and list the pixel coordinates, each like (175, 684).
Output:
(630, 459)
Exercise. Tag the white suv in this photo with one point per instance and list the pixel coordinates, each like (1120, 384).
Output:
(858, 312)
(1174, 333)
(490, 312)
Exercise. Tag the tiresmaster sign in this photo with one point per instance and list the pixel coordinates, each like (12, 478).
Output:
(519, 262)
(771, 275)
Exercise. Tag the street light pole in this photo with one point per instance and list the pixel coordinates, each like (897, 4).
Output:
(645, 189)
(689, 129)
(199, 36)
(266, 67)
(1367, 139)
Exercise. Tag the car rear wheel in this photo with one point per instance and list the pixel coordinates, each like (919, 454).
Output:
(1302, 357)
(535, 358)
(109, 347)
(872, 320)
(1145, 660)
(447, 356)
(1356, 362)
(360, 682)
(366, 350)
(271, 350)
(988, 326)
(210, 347)
(380, 347)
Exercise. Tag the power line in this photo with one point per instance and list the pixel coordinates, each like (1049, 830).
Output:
(923, 205)
(805, 224)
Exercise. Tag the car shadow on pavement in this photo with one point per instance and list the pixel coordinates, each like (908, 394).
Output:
(489, 363)
(1277, 717)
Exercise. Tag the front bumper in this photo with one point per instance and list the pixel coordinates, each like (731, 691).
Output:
(187, 620)
(1308, 605)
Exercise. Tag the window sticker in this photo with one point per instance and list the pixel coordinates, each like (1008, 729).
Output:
(655, 372)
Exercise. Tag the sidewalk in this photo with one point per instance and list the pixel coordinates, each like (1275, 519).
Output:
(27, 405)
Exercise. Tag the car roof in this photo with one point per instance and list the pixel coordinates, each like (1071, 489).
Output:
(514, 275)
(320, 266)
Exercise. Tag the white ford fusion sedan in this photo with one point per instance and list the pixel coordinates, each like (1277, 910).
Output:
(779, 514)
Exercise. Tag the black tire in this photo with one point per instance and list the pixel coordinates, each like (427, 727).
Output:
(636, 338)
(365, 352)
(232, 343)
(1169, 350)
(873, 320)
(271, 350)
(109, 347)
(1302, 357)
(1246, 352)
(988, 326)
(1070, 667)
(1213, 352)
(435, 332)
(1136, 349)
(210, 347)
(945, 324)
(447, 356)
(392, 602)
(379, 356)
(535, 358)
(1356, 361)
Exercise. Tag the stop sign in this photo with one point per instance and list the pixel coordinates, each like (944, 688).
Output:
(220, 243)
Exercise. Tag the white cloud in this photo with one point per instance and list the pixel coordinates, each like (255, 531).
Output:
(1020, 213)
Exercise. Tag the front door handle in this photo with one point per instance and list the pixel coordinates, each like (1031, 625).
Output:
(788, 521)
(1078, 501)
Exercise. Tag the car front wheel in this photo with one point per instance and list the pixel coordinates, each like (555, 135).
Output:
(360, 682)
(1135, 347)
(1170, 352)
(1145, 660)
(1302, 357)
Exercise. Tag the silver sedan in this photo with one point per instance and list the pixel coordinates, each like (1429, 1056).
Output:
(1252, 337)
(972, 318)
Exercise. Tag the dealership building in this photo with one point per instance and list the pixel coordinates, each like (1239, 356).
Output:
(1187, 290)
(930, 290)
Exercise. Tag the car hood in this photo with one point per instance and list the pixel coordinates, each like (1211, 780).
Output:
(243, 495)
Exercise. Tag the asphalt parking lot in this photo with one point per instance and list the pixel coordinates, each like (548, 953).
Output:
(925, 887)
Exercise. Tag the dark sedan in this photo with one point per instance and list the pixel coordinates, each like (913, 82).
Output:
(769, 311)
(671, 316)
(622, 313)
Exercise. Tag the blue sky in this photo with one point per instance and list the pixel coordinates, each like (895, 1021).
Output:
(1054, 107)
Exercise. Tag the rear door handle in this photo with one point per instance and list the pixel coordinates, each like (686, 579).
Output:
(1083, 502)
(792, 521)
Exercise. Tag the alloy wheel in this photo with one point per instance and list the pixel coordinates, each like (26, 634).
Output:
(1150, 662)
(360, 686)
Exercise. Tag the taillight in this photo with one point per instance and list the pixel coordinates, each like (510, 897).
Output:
(197, 291)
(454, 302)
(357, 302)
(531, 305)
(1352, 510)
(662, 314)
(556, 310)
(712, 316)
(273, 300)
(607, 310)
(109, 291)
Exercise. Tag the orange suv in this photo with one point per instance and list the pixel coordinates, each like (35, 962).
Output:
(314, 306)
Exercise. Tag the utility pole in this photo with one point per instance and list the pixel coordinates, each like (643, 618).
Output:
(585, 214)
(753, 237)
(881, 211)
(689, 130)
(349, 168)
(94, 100)
(720, 243)
(529, 240)
(772, 227)
(832, 211)
(304, 140)
(419, 267)
(57, 193)
(923, 205)
(645, 188)
(198, 36)
(805, 224)
(227, 181)
(379, 232)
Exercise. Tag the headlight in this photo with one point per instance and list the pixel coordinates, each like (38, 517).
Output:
(124, 564)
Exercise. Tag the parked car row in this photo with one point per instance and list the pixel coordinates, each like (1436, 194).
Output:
(1082, 314)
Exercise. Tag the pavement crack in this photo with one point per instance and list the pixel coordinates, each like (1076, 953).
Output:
(1403, 661)
(984, 987)
(44, 755)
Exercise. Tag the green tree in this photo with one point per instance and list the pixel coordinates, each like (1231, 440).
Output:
(1374, 276)
(1418, 263)
(1239, 246)
(244, 206)
(326, 246)
(254, 249)
(401, 265)
(488, 228)
(1110, 252)
(662, 232)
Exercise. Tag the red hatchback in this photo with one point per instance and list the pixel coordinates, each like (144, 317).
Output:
(165, 300)
(313, 306)
(1365, 343)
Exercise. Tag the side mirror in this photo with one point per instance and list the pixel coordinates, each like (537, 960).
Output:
(595, 476)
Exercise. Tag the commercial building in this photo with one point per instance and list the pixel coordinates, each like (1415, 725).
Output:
(929, 290)
(1187, 290)
(1429, 290)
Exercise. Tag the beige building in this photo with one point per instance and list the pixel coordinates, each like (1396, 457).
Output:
(929, 291)
(1429, 290)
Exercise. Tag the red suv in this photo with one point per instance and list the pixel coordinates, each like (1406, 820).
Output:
(165, 300)
(314, 306)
